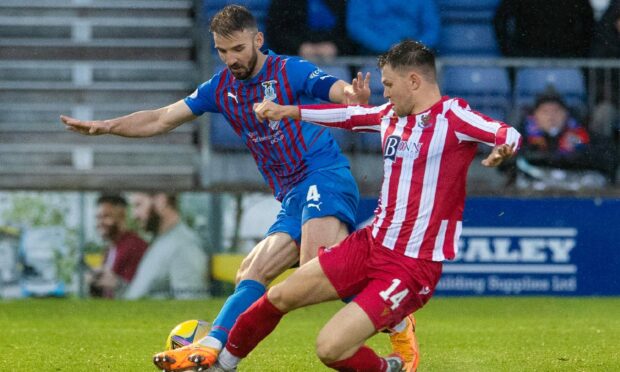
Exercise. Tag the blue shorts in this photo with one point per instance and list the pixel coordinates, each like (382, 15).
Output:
(323, 193)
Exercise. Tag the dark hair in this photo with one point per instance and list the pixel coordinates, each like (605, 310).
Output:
(409, 53)
(232, 18)
(550, 97)
(113, 199)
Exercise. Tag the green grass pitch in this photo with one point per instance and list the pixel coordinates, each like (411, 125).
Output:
(456, 334)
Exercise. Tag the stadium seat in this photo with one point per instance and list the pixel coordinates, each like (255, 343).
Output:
(467, 10)
(568, 82)
(258, 7)
(223, 137)
(471, 39)
(486, 89)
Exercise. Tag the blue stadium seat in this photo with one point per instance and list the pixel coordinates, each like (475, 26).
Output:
(222, 136)
(467, 10)
(568, 82)
(258, 7)
(487, 89)
(472, 39)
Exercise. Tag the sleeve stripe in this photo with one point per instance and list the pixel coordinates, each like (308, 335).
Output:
(465, 137)
(336, 115)
(475, 120)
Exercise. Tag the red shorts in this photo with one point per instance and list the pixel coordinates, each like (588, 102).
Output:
(387, 285)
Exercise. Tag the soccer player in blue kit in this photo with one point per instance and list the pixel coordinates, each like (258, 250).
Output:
(301, 163)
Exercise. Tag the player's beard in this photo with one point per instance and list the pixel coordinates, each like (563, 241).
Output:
(113, 233)
(152, 222)
(243, 72)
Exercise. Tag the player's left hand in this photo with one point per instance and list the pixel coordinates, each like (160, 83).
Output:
(359, 91)
(498, 155)
(268, 110)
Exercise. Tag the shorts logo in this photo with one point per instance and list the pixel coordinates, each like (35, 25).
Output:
(386, 311)
(315, 205)
(424, 291)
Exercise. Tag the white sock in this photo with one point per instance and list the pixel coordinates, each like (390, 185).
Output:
(211, 342)
(400, 326)
(228, 361)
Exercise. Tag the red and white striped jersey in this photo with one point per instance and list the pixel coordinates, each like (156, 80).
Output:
(426, 158)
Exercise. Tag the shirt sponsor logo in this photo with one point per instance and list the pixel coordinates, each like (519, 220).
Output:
(396, 148)
(276, 137)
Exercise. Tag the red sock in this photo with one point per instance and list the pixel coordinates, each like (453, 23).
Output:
(364, 360)
(252, 327)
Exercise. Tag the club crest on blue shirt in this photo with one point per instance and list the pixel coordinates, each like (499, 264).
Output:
(270, 95)
(270, 91)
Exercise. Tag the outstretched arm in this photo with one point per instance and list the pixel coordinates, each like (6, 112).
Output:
(138, 124)
(355, 118)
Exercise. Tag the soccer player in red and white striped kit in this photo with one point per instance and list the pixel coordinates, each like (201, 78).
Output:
(392, 266)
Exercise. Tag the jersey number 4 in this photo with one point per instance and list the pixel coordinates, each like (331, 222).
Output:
(395, 298)
(313, 194)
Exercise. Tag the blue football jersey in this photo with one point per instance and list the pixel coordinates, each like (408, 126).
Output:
(287, 150)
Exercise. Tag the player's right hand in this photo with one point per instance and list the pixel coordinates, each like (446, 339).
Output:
(92, 128)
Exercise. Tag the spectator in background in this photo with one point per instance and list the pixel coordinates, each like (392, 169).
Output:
(124, 251)
(606, 44)
(558, 152)
(175, 265)
(550, 28)
(377, 25)
(308, 28)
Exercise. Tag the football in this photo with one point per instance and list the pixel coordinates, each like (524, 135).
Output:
(186, 333)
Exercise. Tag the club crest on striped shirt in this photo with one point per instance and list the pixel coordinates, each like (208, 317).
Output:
(270, 91)
(425, 121)
(270, 95)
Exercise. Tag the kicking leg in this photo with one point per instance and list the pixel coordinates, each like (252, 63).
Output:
(269, 258)
(307, 286)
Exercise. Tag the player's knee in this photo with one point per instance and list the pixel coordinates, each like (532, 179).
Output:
(249, 269)
(327, 349)
(283, 299)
